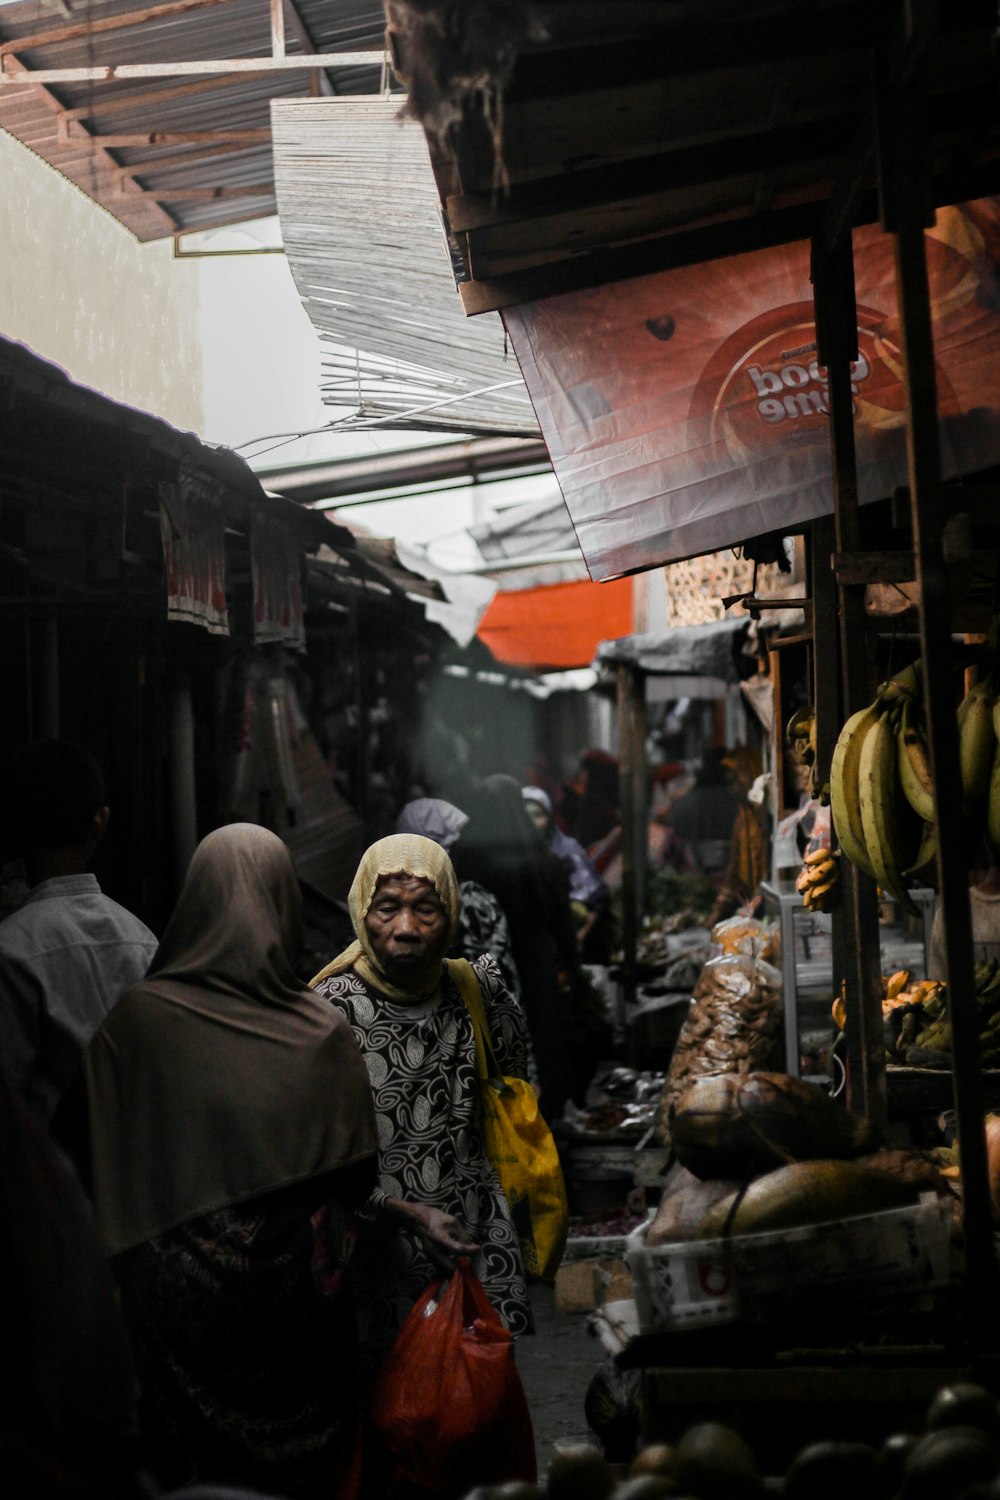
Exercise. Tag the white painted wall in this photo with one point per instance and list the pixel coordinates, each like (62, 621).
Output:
(78, 289)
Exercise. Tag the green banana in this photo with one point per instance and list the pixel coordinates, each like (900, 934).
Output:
(915, 778)
(905, 684)
(887, 821)
(977, 742)
(924, 866)
(845, 804)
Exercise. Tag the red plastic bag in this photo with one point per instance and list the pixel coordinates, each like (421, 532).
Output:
(448, 1404)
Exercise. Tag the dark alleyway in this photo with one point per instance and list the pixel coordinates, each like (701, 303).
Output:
(556, 1366)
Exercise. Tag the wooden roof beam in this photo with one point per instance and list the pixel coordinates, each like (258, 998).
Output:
(647, 176)
(95, 26)
(72, 130)
(262, 66)
(126, 101)
(187, 194)
(101, 153)
(185, 159)
(665, 252)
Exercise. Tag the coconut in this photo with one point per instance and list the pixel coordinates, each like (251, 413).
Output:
(947, 1461)
(714, 1463)
(579, 1473)
(831, 1469)
(964, 1404)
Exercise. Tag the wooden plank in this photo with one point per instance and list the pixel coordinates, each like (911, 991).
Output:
(260, 66)
(630, 682)
(124, 193)
(128, 102)
(277, 28)
(98, 25)
(856, 930)
(152, 168)
(101, 155)
(874, 567)
(72, 130)
(737, 234)
(657, 253)
(761, 151)
(618, 181)
(801, 1383)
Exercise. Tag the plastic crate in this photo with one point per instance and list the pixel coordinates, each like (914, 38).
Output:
(873, 1258)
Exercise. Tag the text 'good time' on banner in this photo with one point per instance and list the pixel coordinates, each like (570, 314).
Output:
(687, 411)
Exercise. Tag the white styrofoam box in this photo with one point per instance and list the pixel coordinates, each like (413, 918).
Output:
(869, 1258)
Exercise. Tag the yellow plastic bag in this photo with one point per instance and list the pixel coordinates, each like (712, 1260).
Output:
(519, 1144)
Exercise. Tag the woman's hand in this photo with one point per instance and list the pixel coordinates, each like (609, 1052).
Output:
(444, 1236)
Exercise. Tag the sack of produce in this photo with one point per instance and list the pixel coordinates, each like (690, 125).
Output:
(808, 1192)
(742, 934)
(740, 1126)
(733, 1026)
(684, 1203)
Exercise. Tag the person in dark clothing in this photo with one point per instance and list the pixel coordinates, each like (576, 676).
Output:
(232, 1132)
(69, 951)
(703, 817)
(502, 849)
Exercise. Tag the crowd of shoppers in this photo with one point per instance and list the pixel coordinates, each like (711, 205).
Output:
(272, 1171)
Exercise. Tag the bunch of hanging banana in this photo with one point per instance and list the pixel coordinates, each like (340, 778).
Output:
(875, 824)
(979, 766)
(800, 736)
(881, 788)
(818, 881)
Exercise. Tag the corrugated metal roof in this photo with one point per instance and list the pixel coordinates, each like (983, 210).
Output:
(158, 189)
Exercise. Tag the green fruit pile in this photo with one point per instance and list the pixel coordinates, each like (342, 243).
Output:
(956, 1456)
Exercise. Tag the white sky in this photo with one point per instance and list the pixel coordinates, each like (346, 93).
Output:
(262, 380)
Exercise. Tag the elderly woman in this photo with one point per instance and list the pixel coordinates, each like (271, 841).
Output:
(482, 926)
(438, 1196)
(232, 1127)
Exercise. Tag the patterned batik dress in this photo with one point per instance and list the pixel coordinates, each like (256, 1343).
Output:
(422, 1066)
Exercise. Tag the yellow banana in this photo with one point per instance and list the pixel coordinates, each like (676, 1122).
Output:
(818, 857)
(896, 982)
(914, 764)
(845, 800)
(889, 826)
(976, 743)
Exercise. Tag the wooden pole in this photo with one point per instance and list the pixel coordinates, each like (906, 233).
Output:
(856, 929)
(903, 178)
(627, 770)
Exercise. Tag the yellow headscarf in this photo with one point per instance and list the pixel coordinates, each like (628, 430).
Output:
(399, 854)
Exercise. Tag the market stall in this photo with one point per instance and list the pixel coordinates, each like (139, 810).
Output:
(859, 386)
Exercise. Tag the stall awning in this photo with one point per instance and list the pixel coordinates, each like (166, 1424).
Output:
(686, 411)
(550, 629)
(363, 236)
(688, 651)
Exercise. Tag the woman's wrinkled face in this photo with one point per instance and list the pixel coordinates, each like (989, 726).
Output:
(538, 815)
(407, 924)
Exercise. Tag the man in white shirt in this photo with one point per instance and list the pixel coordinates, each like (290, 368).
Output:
(68, 952)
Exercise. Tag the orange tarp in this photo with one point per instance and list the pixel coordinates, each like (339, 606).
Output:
(558, 626)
